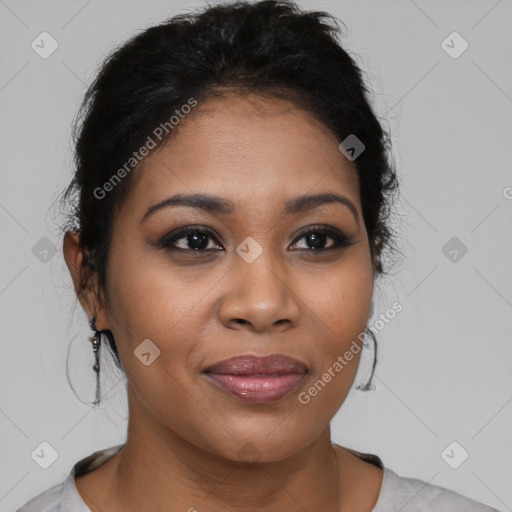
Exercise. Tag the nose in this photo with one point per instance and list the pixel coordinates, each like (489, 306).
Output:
(259, 296)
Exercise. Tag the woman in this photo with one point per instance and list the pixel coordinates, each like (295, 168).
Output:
(233, 190)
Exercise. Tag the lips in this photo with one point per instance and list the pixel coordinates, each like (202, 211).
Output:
(251, 365)
(258, 379)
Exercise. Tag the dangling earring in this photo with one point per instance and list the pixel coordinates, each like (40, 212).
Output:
(96, 342)
(368, 386)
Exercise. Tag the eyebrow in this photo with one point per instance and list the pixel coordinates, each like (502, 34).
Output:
(218, 205)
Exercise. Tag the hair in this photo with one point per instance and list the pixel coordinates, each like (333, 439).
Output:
(271, 48)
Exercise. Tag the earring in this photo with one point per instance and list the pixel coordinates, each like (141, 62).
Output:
(96, 341)
(368, 386)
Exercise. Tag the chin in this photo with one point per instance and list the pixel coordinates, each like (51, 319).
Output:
(260, 446)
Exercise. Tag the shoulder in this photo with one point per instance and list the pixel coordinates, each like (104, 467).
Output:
(47, 501)
(64, 496)
(413, 495)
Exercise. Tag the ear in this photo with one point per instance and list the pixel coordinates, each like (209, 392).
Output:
(85, 281)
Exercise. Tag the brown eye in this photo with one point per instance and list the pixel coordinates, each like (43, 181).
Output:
(190, 239)
(316, 238)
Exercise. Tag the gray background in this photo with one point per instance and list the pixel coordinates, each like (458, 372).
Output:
(444, 371)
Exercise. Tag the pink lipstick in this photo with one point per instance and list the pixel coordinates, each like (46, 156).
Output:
(258, 379)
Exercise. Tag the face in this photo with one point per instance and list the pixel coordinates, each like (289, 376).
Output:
(254, 280)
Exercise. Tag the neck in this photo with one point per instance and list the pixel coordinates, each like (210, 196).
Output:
(157, 468)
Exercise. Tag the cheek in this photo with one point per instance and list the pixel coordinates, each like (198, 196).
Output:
(351, 299)
(338, 304)
(152, 298)
(339, 299)
(155, 304)
(148, 303)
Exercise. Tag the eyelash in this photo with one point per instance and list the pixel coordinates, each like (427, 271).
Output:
(340, 240)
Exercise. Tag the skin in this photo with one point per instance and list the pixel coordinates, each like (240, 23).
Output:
(184, 433)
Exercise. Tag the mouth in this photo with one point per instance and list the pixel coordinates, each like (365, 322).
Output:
(257, 379)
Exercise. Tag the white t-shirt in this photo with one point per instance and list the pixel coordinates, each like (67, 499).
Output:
(397, 493)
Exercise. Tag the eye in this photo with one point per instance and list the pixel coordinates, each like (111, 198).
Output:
(199, 239)
(191, 239)
(316, 237)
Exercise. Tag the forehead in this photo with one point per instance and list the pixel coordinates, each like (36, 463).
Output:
(250, 149)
